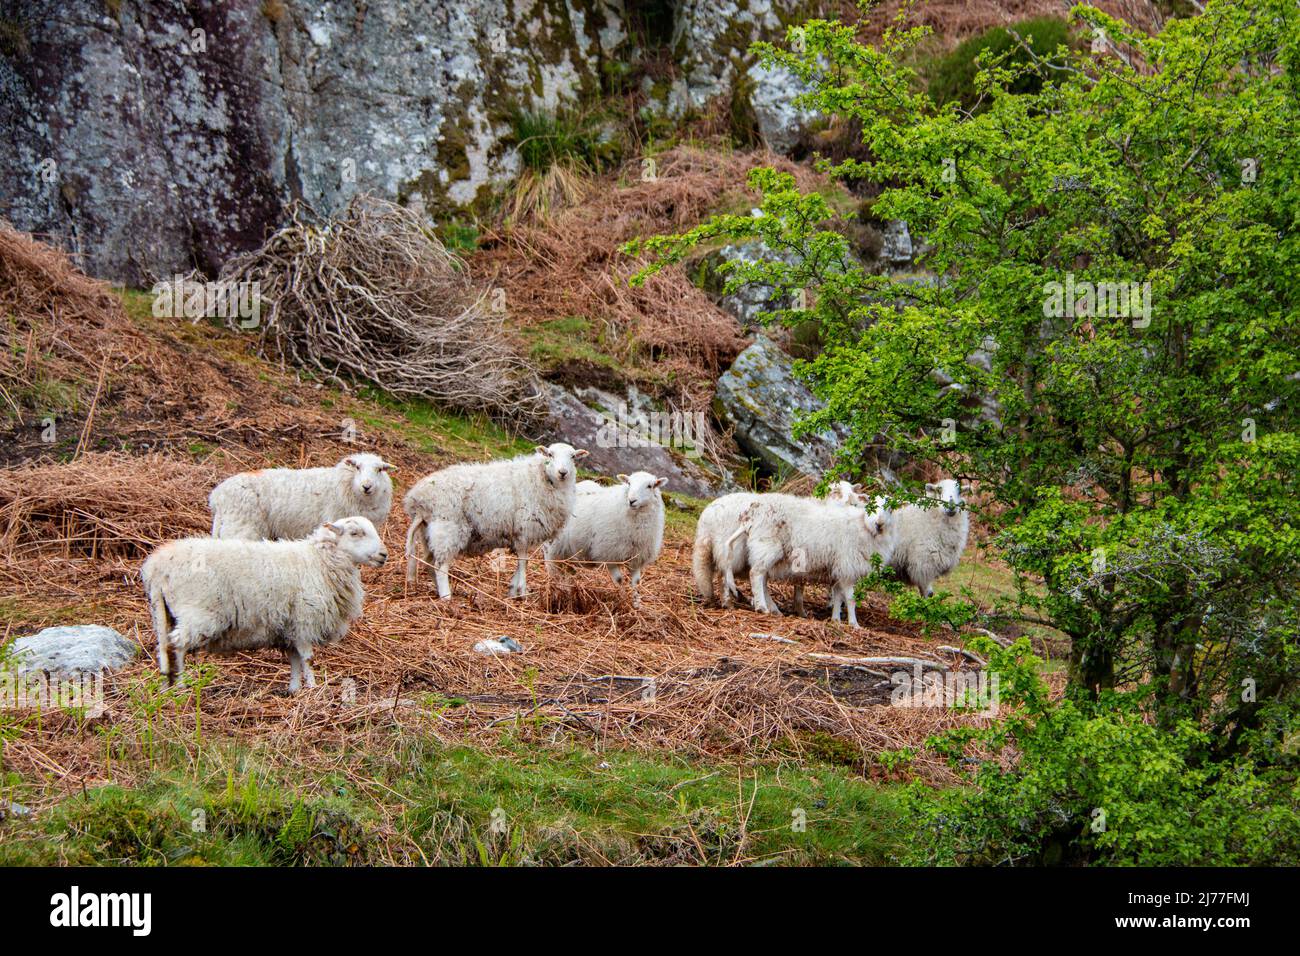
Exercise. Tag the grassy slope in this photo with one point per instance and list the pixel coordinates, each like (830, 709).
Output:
(422, 802)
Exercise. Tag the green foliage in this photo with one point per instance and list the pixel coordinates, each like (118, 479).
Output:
(1140, 475)
(953, 78)
(1096, 782)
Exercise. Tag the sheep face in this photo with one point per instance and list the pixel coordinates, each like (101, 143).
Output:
(879, 522)
(642, 488)
(948, 492)
(369, 473)
(357, 538)
(846, 493)
(560, 461)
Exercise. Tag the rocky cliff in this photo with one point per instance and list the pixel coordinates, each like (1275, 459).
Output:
(155, 137)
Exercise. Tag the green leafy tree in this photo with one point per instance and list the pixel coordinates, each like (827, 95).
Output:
(1112, 262)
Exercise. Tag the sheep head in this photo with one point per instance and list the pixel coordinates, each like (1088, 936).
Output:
(367, 474)
(642, 488)
(559, 461)
(356, 537)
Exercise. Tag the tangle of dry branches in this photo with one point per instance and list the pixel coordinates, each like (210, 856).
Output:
(373, 293)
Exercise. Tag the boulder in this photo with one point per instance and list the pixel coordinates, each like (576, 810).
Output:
(746, 303)
(760, 397)
(896, 249)
(72, 649)
(620, 434)
(781, 123)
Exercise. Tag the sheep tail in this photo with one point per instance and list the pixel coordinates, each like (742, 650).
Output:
(417, 549)
(702, 566)
(163, 622)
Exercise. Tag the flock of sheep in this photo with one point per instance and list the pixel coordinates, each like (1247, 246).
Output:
(282, 567)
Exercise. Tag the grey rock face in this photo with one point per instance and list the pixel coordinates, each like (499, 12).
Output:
(170, 135)
(897, 246)
(72, 649)
(751, 299)
(711, 40)
(760, 396)
(155, 138)
(619, 435)
(780, 121)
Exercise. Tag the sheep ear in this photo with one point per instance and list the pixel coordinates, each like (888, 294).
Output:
(581, 453)
(331, 526)
(385, 466)
(351, 463)
(622, 478)
(660, 482)
(931, 489)
(543, 451)
(858, 487)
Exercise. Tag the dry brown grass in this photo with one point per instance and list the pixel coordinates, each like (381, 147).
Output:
(570, 264)
(73, 534)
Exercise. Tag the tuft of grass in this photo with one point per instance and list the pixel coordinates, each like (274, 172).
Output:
(434, 430)
(557, 342)
(564, 137)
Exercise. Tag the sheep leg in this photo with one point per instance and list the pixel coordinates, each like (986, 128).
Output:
(837, 600)
(442, 575)
(519, 583)
(177, 675)
(633, 580)
(798, 599)
(772, 606)
(295, 670)
(762, 599)
(851, 604)
(616, 573)
(308, 675)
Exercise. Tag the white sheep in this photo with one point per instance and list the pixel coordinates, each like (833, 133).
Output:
(225, 596)
(621, 526)
(287, 504)
(518, 503)
(931, 540)
(786, 537)
(711, 556)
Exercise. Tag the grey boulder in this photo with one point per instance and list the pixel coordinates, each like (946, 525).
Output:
(72, 649)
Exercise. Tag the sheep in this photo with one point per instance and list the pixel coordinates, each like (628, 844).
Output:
(224, 596)
(789, 537)
(931, 540)
(718, 520)
(622, 525)
(518, 503)
(287, 504)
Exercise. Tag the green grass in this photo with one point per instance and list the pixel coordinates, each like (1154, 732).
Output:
(559, 341)
(576, 139)
(459, 805)
(436, 431)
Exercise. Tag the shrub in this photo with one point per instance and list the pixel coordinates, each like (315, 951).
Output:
(952, 77)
